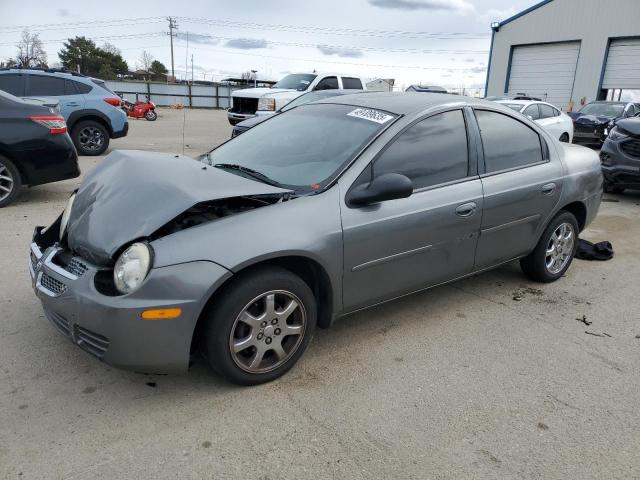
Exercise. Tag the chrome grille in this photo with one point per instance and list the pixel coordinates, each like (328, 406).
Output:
(51, 284)
(631, 147)
(91, 342)
(71, 264)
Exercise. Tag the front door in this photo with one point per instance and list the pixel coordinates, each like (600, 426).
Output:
(522, 184)
(400, 246)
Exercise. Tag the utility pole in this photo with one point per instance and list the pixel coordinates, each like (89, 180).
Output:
(172, 25)
(192, 69)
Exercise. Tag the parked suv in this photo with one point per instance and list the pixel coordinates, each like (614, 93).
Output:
(249, 102)
(91, 110)
(620, 156)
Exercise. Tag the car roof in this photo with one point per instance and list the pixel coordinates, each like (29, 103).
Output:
(525, 102)
(401, 103)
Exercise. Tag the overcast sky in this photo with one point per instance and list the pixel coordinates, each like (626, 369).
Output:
(441, 42)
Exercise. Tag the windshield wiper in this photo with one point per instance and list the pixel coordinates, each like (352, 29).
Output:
(250, 172)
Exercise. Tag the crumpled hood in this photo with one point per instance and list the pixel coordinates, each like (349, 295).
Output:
(583, 119)
(631, 125)
(131, 194)
(259, 92)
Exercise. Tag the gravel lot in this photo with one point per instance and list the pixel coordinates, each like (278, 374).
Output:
(491, 377)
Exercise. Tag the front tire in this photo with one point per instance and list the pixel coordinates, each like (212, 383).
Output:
(90, 138)
(151, 115)
(564, 138)
(260, 326)
(555, 251)
(10, 181)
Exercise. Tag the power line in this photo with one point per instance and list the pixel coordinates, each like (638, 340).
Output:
(109, 37)
(353, 47)
(334, 30)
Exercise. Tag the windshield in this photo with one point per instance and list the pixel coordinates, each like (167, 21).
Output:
(611, 110)
(513, 106)
(298, 81)
(305, 148)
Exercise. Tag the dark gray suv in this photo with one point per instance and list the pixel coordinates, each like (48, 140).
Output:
(620, 156)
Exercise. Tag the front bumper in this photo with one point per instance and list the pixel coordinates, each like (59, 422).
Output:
(111, 327)
(619, 168)
(588, 135)
(238, 117)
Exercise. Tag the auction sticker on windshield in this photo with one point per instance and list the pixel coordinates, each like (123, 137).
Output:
(371, 115)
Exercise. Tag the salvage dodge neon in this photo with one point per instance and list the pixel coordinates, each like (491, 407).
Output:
(327, 209)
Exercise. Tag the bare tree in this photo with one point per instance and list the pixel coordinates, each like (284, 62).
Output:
(30, 52)
(111, 48)
(146, 59)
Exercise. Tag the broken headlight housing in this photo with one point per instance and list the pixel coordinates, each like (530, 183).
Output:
(132, 267)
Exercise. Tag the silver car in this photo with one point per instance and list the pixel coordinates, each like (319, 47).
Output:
(327, 209)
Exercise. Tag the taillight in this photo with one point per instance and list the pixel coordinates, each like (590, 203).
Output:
(113, 101)
(54, 123)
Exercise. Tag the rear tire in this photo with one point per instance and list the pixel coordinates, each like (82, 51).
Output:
(10, 181)
(90, 138)
(260, 325)
(564, 138)
(151, 115)
(555, 251)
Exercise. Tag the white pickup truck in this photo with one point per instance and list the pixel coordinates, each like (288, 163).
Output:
(250, 102)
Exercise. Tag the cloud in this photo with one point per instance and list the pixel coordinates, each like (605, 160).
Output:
(457, 6)
(198, 38)
(247, 43)
(469, 60)
(478, 69)
(340, 51)
(496, 15)
(63, 12)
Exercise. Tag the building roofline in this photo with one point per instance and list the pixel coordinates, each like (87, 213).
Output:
(524, 12)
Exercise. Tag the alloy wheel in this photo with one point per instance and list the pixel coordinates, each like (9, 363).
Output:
(91, 138)
(560, 248)
(6, 182)
(268, 331)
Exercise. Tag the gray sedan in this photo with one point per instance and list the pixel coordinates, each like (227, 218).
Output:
(327, 209)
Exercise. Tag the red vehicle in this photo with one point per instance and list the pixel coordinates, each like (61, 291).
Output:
(140, 109)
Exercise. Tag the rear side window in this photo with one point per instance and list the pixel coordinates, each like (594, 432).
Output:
(507, 142)
(81, 87)
(350, 82)
(43, 85)
(547, 111)
(12, 83)
(328, 83)
(532, 111)
(431, 152)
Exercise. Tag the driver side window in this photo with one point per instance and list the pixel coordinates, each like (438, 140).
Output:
(431, 152)
(327, 83)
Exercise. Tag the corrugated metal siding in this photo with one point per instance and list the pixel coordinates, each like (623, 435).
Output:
(546, 71)
(623, 64)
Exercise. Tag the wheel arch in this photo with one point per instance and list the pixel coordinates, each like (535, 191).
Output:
(6, 153)
(579, 210)
(308, 269)
(93, 115)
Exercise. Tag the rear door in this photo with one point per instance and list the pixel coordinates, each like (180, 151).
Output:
(53, 86)
(551, 120)
(400, 246)
(522, 183)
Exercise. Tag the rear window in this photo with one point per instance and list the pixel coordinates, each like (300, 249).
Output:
(349, 83)
(45, 86)
(12, 83)
(102, 84)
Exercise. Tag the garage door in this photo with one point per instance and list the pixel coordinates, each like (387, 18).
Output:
(545, 71)
(623, 65)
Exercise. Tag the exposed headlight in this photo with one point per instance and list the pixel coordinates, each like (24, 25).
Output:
(267, 103)
(64, 221)
(132, 267)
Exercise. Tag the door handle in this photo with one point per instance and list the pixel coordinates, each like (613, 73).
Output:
(72, 104)
(466, 209)
(549, 188)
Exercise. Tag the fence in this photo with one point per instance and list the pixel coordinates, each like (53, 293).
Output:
(163, 94)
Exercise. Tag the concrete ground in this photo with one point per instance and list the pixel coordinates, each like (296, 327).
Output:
(491, 377)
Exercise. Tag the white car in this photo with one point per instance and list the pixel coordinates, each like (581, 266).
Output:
(556, 122)
(249, 102)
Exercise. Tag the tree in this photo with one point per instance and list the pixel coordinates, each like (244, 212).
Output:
(110, 48)
(82, 54)
(146, 59)
(9, 63)
(30, 51)
(158, 67)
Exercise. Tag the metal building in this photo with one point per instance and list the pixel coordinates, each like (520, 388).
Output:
(568, 52)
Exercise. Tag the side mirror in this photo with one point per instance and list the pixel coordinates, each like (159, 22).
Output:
(388, 186)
